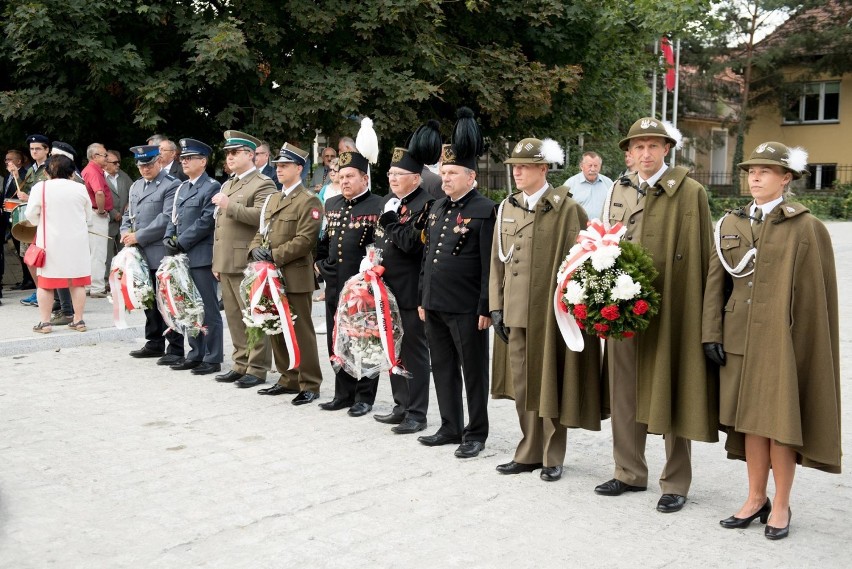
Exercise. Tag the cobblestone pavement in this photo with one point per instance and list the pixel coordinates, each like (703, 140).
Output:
(107, 461)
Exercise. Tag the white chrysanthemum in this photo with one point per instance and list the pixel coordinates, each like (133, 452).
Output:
(604, 257)
(625, 288)
(575, 293)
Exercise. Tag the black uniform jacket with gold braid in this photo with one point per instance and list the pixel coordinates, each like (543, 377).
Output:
(402, 248)
(350, 228)
(454, 277)
(292, 222)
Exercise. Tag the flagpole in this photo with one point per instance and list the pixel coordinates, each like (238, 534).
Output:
(654, 82)
(676, 89)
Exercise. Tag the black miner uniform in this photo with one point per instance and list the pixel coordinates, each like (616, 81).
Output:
(454, 283)
(351, 227)
(402, 257)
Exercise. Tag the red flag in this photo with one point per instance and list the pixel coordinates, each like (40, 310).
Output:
(668, 53)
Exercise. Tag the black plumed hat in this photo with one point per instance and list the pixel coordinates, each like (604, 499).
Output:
(467, 142)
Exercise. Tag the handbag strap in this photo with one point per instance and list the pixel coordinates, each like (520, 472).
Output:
(43, 215)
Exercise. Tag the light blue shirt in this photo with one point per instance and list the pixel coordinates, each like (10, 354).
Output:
(589, 195)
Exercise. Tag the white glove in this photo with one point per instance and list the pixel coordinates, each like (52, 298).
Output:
(392, 205)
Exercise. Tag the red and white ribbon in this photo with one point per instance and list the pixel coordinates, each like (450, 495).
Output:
(373, 277)
(122, 289)
(167, 298)
(595, 236)
(268, 283)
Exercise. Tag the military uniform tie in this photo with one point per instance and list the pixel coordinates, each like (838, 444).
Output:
(643, 189)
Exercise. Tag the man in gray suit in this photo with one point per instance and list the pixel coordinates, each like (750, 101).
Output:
(119, 185)
(190, 231)
(144, 225)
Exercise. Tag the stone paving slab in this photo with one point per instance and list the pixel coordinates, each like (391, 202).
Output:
(108, 462)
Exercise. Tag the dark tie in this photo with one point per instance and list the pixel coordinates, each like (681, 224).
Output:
(643, 189)
(757, 216)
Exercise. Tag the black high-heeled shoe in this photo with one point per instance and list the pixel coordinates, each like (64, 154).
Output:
(779, 533)
(737, 523)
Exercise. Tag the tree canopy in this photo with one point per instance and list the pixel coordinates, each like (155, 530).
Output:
(117, 71)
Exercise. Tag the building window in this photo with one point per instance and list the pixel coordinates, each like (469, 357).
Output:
(819, 102)
(822, 176)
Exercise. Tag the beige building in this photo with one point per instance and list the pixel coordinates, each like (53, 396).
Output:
(817, 114)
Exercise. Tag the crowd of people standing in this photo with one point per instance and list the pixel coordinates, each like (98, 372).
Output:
(742, 344)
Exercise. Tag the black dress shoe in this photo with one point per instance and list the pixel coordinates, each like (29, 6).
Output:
(229, 377)
(409, 426)
(249, 380)
(359, 409)
(170, 360)
(146, 352)
(305, 397)
(439, 439)
(334, 405)
(206, 368)
(277, 389)
(390, 419)
(551, 473)
(616, 487)
(517, 467)
(186, 364)
(671, 503)
(734, 522)
(469, 449)
(774, 533)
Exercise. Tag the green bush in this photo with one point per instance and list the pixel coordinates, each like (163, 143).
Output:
(834, 205)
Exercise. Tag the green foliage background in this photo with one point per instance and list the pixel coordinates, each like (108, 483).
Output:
(116, 71)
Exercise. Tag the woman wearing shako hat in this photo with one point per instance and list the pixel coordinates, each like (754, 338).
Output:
(770, 322)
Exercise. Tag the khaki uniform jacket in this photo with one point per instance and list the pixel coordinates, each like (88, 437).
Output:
(237, 226)
(293, 224)
(783, 320)
(677, 392)
(561, 383)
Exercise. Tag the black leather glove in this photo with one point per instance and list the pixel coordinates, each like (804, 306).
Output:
(171, 245)
(420, 219)
(499, 328)
(262, 254)
(715, 353)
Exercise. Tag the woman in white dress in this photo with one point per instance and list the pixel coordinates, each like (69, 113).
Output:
(60, 208)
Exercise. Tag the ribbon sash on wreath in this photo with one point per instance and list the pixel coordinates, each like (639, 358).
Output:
(589, 240)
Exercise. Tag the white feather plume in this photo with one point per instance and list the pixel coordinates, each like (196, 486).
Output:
(797, 159)
(552, 152)
(674, 134)
(367, 142)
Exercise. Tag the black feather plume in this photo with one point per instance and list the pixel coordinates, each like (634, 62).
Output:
(467, 138)
(425, 144)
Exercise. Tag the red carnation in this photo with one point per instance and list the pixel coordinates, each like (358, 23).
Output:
(640, 307)
(628, 334)
(580, 311)
(563, 307)
(610, 312)
(601, 327)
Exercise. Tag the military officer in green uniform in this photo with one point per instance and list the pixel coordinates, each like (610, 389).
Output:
(553, 387)
(770, 322)
(289, 227)
(237, 219)
(659, 380)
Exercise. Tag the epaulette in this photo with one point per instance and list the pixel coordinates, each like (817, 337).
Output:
(169, 177)
(263, 176)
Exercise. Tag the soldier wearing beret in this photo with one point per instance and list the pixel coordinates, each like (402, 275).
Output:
(352, 218)
(454, 293)
(237, 216)
(144, 225)
(772, 326)
(402, 257)
(553, 387)
(659, 381)
(190, 231)
(289, 225)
